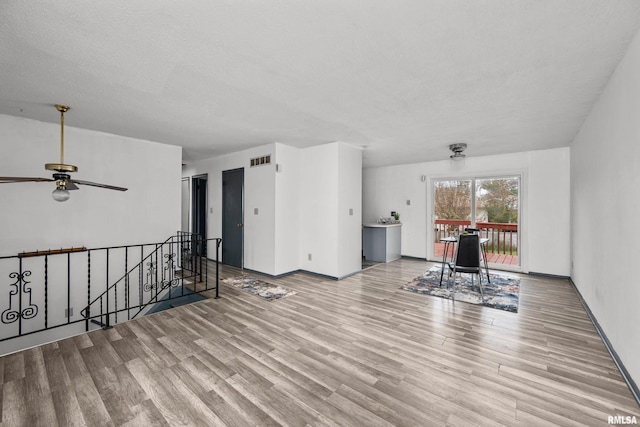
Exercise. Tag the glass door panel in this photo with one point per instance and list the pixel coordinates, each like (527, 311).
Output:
(452, 210)
(496, 215)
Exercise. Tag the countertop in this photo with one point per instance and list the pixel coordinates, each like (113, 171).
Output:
(376, 224)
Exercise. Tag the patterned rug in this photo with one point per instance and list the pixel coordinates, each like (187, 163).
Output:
(258, 287)
(502, 293)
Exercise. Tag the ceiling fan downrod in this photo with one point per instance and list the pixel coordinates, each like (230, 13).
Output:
(61, 167)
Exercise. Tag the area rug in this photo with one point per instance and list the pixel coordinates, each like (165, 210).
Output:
(258, 287)
(502, 293)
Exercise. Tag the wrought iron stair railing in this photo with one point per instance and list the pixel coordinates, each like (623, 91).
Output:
(59, 293)
(164, 274)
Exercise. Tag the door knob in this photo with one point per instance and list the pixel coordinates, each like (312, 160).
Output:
(240, 225)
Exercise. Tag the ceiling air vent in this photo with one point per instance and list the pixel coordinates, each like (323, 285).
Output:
(262, 160)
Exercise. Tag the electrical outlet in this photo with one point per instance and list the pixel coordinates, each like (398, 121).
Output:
(255, 211)
(68, 312)
(408, 202)
(351, 211)
(309, 257)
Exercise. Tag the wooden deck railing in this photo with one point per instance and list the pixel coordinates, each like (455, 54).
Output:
(503, 238)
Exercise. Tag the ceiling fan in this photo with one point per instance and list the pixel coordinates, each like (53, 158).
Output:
(63, 180)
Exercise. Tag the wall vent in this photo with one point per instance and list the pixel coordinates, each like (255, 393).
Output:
(262, 160)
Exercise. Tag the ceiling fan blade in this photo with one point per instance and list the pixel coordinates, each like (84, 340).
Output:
(95, 184)
(10, 179)
(71, 186)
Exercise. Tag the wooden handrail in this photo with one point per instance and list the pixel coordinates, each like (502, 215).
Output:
(51, 252)
(495, 225)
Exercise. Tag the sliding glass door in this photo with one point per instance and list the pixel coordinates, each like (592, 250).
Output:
(490, 204)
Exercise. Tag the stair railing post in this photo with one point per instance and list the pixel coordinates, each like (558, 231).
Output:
(218, 242)
(107, 326)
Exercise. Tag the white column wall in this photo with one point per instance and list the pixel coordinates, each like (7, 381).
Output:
(330, 185)
(605, 207)
(544, 222)
(349, 210)
(287, 204)
(319, 209)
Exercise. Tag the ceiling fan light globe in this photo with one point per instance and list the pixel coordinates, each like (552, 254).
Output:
(60, 195)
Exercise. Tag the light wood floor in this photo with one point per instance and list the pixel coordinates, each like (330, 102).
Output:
(355, 352)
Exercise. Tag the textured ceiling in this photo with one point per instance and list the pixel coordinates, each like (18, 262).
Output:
(403, 78)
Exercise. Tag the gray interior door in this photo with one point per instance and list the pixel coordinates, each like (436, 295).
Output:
(232, 217)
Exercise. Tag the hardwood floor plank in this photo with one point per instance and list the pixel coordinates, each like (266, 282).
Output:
(275, 404)
(527, 411)
(112, 396)
(373, 405)
(146, 414)
(56, 370)
(277, 372)
(67, 407)
(15, 410)
(36, 382)
(44, 413)
(91, 404)
(13, 367)
(223, 409)
(73, 361)
(243, 404)
(363, 415)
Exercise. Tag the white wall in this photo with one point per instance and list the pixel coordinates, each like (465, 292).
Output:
(605, 160)
(31, 220)
(544, 222)
(349, 215)
(287, 205)
(260, 229)
(319, 209)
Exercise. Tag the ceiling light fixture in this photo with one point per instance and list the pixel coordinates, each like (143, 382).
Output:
(457, 150)
(63, 180)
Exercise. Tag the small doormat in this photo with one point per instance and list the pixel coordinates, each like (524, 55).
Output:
(258, 287)
(502, 293)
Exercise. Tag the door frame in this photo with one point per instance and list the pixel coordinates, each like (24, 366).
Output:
(185, 204)
(224, 214)
(522, 213)
(199, 210)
